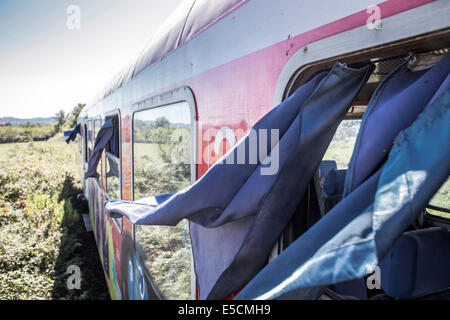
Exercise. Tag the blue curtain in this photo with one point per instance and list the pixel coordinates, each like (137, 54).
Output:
(395, 104)
(354, 236)
(102, 140)
(237, 211)
(72, 134)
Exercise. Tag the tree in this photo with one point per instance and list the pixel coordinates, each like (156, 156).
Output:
(60, 120)
(161, 122)
(74, 114)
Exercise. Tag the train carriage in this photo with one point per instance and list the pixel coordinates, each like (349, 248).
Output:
(211, 72)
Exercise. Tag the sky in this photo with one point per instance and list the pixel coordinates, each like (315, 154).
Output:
(53, 58)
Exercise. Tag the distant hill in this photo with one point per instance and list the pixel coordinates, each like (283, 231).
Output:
(39, 120)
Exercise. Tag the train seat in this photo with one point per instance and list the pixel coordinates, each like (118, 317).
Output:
(329, 184)
(418, 265)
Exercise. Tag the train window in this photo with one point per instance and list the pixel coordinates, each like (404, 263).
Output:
(162, 153)
(112, 166)
(341, 147)
(112, 176)
(161, 145)
(97, 126)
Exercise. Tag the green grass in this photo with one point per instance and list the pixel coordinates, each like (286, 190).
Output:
(22, 133)
(154, 171)
(149, 150)
(343, 143)
(41, 232)
(166, 250)
(340, 151)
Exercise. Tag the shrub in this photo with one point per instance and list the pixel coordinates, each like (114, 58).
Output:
(26, 133)
(40, 229)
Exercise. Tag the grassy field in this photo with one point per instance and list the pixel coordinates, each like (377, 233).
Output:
(41, 231)
(149, 150)
(11, 134)
(166, 250)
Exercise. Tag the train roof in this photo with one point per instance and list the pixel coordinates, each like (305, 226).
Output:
(189, 19)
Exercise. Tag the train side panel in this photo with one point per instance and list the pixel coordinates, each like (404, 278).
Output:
(237, 69)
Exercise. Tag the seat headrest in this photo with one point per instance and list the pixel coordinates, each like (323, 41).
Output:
(334, 182)
(329, 184)
(418, 264)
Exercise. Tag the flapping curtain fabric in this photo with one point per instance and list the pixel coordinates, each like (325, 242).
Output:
(72, 134)
(104, 136)
(395, 104)
(237, 211)
(383, 198)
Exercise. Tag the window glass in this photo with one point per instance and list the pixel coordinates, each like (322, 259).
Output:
(113, 146)
(161, 145)
(341, 147)
(113, 162)
(162, 155)
(112, 176)
(97, 127)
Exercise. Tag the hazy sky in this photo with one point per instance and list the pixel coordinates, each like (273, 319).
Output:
(45, 66)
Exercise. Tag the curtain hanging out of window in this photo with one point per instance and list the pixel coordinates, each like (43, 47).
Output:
(102, 140)
(72, 134)
(383, 200)
(248, 205)
(397, 102)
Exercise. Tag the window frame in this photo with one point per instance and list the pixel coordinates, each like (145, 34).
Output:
(85, 143)
(437, 220)
(444, 215)
(182, 94)
(95, 130)
(302, 67)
